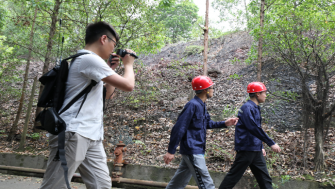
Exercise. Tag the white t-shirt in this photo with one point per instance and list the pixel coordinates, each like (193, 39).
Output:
(89, 122)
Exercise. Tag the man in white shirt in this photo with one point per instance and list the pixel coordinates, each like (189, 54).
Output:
(84, 130)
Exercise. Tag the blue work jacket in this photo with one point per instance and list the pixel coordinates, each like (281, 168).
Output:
(190, 128)
(248, 132)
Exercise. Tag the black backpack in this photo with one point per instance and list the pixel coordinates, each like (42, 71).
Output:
(52, 99)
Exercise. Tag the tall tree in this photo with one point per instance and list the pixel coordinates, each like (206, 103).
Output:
(52, 31)
(14, 127)
(300, 34)
(132, 19)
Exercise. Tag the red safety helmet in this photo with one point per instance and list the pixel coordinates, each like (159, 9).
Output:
(255, 87)
(201, 82)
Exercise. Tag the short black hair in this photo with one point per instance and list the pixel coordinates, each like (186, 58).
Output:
(199, 91)
(252, 95)
(95, 30)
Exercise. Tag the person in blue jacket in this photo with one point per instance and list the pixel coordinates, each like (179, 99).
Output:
(190, 132)
(249, 136)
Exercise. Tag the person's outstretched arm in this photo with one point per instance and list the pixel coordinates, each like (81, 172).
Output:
(220, 124)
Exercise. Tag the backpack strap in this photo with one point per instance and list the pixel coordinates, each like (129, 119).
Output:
(75, 56)
(84, 92)
(61, 156)
(87, 90)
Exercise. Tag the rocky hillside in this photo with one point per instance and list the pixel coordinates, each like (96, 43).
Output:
(144, 117)
(164, 85)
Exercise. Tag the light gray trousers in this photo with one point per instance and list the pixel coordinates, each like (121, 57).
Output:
(192, 165)
(88, 156)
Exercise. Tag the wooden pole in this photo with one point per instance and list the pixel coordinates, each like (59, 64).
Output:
(206, 38)
(260, 43)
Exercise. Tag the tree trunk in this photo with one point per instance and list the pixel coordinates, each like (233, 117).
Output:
(14, 127)
(318, 132)
(306, 117)
(260, 43)
(49, 47)
(206, 38)
(322, 89)
(25, 128)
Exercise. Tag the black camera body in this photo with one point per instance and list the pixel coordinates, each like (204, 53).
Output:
(123, 52)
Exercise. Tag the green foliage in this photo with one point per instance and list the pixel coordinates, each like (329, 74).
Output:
(234, 11)
(235, 61)
(215, 32)
(34, 136)
(197, 30)
(9, 76)
(9, 73)
(3, 14)
(308, 177)
(139, 142)
(133, 20)
(285, 178)
(234, 76)
(166, 3)
(287, 94)
(291, 26)
(2, 133)
(144, 150)
(178, 20)
(275, 186)
(229, 111)
(275, 79)
(271, 160)
(193, 49)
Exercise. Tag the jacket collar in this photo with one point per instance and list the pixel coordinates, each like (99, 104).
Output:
(252, 103)
(199, 100)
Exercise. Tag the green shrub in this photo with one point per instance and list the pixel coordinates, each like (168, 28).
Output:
(193, 49)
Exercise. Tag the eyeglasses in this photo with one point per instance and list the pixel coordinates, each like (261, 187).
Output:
(112, 40)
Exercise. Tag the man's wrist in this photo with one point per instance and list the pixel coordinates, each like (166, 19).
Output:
(171, 152)
(108, 85)
(271, 144)
(128, 65)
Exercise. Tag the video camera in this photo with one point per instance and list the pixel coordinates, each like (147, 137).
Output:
(122, 53)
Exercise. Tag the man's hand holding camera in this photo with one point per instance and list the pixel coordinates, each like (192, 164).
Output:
(113, 61)
(127, 59)
(127, 56)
